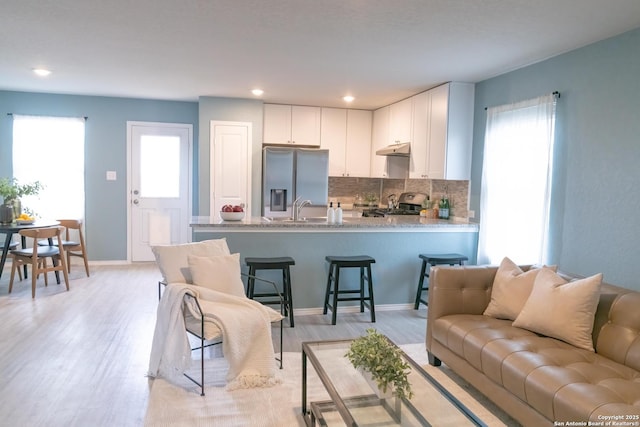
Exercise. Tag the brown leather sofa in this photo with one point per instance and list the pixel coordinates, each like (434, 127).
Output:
(537, 380)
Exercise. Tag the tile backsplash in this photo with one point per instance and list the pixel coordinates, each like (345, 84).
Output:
(345, 189)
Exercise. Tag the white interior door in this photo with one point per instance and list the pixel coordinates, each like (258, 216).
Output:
(159, 186)
(231, 165)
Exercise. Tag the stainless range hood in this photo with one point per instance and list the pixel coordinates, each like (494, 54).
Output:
(401, 149)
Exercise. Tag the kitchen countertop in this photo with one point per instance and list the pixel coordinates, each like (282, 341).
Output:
(350, 223)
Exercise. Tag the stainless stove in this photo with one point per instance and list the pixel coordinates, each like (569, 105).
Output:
(408, 204)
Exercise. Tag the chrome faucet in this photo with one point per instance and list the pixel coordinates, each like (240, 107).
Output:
(297, 207)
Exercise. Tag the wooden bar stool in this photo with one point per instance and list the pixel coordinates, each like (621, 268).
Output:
(434, 259)
(275, 263)
(363, 262)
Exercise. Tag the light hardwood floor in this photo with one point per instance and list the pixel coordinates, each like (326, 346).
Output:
(83, 355)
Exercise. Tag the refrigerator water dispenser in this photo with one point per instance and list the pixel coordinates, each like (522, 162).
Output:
(278, 200)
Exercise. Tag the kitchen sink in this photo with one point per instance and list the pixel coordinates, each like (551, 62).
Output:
(315, 220)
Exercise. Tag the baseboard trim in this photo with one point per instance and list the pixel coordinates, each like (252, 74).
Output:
(351, 309)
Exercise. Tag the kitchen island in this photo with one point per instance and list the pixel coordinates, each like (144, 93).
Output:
(395, 242)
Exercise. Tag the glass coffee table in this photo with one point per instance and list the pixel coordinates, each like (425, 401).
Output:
(355, 402)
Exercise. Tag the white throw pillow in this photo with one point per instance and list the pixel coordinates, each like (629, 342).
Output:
(172, 259)
(561, 309)
(220, 273)
(510, 290)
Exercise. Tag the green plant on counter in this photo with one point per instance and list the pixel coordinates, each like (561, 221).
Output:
(375, 354)
(11, 189)
(371, 198)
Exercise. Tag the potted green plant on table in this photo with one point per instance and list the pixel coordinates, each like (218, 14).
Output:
(375, 354)
(12, 191)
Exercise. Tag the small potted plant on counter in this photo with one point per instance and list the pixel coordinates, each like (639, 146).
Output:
(375, 354)
(371, 200)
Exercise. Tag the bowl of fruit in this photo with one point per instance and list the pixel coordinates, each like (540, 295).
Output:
(25, 219)
(232, 212)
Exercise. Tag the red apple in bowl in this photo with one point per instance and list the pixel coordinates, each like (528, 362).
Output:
(227, 208)
(238, 208)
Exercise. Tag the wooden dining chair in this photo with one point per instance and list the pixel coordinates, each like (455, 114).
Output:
(12, 246)
(72, 246)
(37, 255)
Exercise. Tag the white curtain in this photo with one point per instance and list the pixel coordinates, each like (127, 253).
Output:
(516, 182)
(51, 150)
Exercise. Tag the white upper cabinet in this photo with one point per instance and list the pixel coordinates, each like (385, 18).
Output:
(459, 132)
(442, 132)
(305, 125)
(400, 121)
(358, 156)
(438, 135)
(347, 136)
(380, 138)
(291, 124)
(333, 137)
(420, 144)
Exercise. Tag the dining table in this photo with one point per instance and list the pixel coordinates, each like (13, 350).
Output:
(14, 227)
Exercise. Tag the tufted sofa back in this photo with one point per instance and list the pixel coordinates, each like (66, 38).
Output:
(617, 325)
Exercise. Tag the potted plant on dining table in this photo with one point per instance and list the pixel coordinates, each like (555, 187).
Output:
(12, 191)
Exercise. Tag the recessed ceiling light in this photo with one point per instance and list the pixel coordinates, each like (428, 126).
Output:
(348, 98)
(257, 92)
(41, 72)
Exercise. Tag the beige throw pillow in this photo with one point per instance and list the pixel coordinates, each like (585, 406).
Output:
(510, 290)
(220, 273)
(561, 309)
(172, 259)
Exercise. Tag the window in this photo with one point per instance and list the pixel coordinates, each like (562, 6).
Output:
(516, 181)
(160, 166)
(51, 150)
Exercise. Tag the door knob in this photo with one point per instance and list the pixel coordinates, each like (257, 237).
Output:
(135, 201)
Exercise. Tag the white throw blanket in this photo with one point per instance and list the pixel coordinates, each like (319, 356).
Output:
(246, 331)
(170, 349)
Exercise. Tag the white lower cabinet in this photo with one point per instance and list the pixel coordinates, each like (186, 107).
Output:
(347, 136)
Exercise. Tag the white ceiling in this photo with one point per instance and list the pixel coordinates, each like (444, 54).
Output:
(299, 51)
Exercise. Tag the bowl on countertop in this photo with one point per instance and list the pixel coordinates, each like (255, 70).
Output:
(232, 216)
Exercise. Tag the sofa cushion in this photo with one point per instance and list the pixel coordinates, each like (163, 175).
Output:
(467, 334)
(561, 309)
(607, 395)
(510, 290)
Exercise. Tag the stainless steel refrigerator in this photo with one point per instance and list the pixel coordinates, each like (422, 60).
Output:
(289, 173)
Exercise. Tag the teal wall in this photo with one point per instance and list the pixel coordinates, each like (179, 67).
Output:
(105, 149)
(596, 199)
